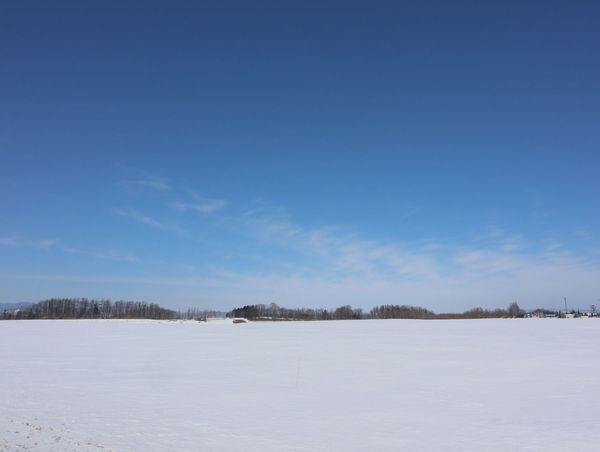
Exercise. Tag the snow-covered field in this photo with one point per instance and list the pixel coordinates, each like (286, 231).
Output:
(387, 385)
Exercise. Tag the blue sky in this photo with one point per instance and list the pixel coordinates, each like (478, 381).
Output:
(215, 154)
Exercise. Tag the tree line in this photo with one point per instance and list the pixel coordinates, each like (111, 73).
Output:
(275, 312)
(201, 314)
(82, 308)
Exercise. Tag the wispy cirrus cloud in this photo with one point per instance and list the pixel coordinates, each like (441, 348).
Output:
(201, 204)
(11, 241)
(18, 241)
(46, 244)
(508, 263)
(292, 263)
(165, 225)
(484, 262)
(339, 250)
(532, 282)
(142, 184)
(112, 279)
(341, 267)
(508, 242)
(115, 255)
(140, 217)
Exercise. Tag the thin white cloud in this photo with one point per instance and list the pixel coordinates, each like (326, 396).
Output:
(147, 220)
(17, 241)
(201, 204)
(508, 242)
(340, 251)
(115, 255)
(553, 248)
(110, 254)
(11, 241)
(138, 185)
(486, 262)
(532, 282)
(111, 279)
(140, 217)
(47, 243)
(329, 266)
(489, 276)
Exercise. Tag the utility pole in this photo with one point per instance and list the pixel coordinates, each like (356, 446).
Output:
(565, 298)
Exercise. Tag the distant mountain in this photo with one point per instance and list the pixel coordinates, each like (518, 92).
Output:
(11, 306)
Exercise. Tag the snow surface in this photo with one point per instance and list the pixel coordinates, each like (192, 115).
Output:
(385, 385)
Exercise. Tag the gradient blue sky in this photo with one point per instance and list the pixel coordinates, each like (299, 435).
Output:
(444, 154)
